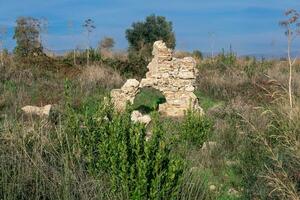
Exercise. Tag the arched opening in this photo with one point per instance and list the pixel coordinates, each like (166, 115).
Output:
(148, 99)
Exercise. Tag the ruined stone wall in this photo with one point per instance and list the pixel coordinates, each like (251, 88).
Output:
(174, 77)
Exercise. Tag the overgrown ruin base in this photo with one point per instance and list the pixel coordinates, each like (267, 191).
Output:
(174, 77)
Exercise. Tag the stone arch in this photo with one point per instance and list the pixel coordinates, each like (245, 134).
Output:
(174, 77)
(148, 99)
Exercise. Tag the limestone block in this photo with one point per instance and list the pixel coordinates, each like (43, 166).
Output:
(131, 86)
(126, 93)
(186, 75)
(161, 51)
(189, 88)
(136, 116)
(43, 111)
(174, 77)
(148, 82)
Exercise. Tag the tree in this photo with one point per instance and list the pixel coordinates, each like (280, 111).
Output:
(89, 27)
(292, 26)
(3, 32)
(105, 47)
(142, 35)
(197, 54)
(107, 43)
(27, 37)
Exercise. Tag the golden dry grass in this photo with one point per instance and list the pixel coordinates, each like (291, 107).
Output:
(97, 75)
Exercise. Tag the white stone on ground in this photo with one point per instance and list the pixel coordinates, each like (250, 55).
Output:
(136, 116)
(43, 111)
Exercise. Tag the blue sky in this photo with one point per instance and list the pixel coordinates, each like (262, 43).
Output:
(249, 26)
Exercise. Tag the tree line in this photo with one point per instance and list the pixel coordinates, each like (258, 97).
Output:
(28, 33)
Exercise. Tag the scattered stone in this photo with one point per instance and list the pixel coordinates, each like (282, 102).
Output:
(233, 192)
(37, 111)
(174, 77)
(212, 187)
(148, 135)
(136, 116)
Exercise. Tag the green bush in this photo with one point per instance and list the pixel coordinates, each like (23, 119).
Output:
(195, 128)
(112, 144)
(134, 66)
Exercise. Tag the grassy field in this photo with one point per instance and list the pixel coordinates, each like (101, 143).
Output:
(246, 146)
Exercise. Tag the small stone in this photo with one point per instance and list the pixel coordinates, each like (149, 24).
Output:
(136, 116)
(148, 135)
(212, 187)
(37, 111)
(233, 192)
(130, 86)
(146, 119)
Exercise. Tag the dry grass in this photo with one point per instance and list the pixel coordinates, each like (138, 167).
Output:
(38, 163)
(255, 111)
(255, 128)
(120, 55)
(182, 54)
(97, 75)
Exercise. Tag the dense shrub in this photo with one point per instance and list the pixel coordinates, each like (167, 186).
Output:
(111, 143)
(195, 128)
(134, 66)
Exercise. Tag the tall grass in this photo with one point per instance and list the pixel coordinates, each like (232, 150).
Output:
(87, 151)
(36, 164)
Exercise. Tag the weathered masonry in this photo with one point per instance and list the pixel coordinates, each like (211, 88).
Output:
(174, 77)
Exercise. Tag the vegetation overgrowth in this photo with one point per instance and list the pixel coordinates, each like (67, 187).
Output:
(246, 146)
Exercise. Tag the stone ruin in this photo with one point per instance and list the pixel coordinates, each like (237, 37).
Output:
(174, 77)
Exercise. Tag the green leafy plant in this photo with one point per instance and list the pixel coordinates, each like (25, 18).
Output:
(195, 128)
(112, 144)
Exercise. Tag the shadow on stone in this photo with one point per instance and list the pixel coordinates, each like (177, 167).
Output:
(148, 100)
